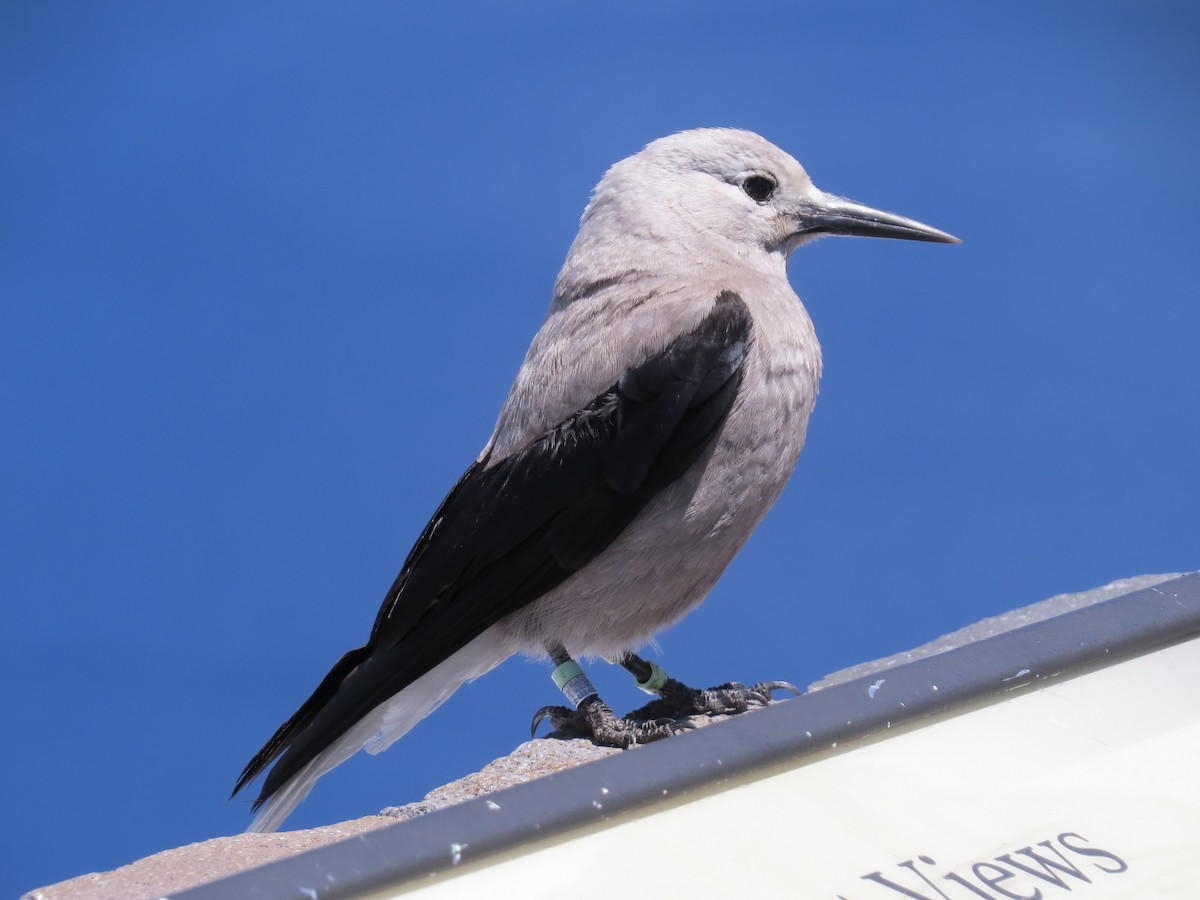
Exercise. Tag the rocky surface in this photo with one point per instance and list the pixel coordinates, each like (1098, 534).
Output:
(184, 867)
(985, 628)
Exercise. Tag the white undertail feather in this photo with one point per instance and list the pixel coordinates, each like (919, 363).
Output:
(388, 722)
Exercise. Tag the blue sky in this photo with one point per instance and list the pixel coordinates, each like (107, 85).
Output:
(267, 270)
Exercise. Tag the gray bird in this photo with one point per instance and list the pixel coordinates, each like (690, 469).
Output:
(657, 416)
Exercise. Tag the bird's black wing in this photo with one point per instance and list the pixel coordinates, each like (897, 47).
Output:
(513, 529)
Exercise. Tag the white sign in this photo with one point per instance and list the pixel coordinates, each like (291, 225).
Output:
(1086, 788)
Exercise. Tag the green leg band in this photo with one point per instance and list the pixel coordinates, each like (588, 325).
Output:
(573, 683)
(656, 680)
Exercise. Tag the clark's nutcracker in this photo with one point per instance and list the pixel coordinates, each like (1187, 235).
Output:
(657, 415)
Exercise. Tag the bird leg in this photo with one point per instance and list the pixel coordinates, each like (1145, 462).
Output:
(677, 699)
(591, 717)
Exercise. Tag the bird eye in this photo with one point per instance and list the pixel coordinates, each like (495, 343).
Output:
(759, 188)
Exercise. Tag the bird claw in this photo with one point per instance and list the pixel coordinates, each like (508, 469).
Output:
(769, 687)
(610, 731)
(678, 700)
(677, 726)
(560, 717)
(660, 718)
(598, 723)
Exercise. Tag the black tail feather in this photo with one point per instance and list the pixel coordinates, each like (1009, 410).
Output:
(300, 720)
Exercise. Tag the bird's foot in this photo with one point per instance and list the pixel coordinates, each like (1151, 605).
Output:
(676, 699)
(596, 721)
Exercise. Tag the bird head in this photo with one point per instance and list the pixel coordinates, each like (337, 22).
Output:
(733, 185)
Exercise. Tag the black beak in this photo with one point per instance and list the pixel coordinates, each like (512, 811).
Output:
(837, 215)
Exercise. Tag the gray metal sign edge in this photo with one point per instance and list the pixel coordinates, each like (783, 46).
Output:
(1073, 642)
